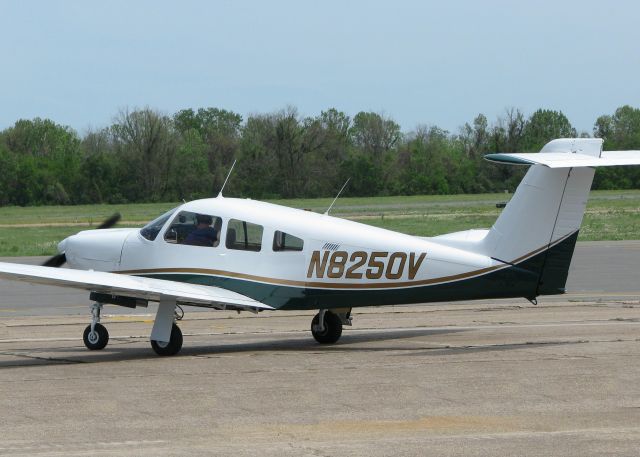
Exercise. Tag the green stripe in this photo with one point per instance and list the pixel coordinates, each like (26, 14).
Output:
(521, 280)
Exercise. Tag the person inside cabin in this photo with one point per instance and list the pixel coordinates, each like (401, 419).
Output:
(203, 234)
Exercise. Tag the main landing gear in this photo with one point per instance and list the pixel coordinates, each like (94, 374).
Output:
(166, 336)
(171, 347)
(326, 326)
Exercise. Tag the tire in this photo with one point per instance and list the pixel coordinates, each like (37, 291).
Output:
(332, 328)
(98, 340)
(172, 347)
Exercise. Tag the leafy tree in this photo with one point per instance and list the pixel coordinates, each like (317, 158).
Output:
(220, 131)
(367, 176)
(9, 185)
(257, 169)
(620, 131)
(148, 156)
(48, 161)
(103, 173)
(374, 134)
(190, 177)
(543, 126)
(423, 159)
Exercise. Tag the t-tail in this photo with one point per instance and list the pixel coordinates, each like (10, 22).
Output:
(538, 229)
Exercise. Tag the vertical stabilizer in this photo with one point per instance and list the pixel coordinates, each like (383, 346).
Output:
(544, 217)
(547, 206)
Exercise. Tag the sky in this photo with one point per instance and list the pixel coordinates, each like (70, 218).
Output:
(418, 62)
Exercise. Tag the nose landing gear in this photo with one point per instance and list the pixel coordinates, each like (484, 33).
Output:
(95, 336)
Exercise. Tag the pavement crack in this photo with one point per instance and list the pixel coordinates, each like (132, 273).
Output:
(44, 359)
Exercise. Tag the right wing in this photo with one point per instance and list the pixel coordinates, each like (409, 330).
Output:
(131, 286)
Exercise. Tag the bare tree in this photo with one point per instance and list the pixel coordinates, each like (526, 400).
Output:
(144, 137)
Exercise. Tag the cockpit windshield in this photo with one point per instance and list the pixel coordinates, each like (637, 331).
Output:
(151, 230)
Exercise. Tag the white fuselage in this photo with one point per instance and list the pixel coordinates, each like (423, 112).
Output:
(337, 254)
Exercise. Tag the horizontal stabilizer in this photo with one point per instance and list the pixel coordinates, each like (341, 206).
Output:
(570, 153)
(568, 159)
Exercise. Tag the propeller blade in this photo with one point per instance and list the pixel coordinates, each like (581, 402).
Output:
(113, 220)
(56, 261)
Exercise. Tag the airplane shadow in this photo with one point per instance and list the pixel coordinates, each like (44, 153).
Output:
(121, 350)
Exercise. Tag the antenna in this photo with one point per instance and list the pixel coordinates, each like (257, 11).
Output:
(334, 200)
(227, 178)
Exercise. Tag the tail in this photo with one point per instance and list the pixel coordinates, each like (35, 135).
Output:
(538, 229)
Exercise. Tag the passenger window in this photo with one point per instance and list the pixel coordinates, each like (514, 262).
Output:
(195, 229)
(244, 236)
(284, 242)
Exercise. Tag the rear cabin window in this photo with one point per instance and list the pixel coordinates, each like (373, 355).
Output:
(284, 242)
(195, 229)
(244, 236)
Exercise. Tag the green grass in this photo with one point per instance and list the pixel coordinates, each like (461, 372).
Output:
(17, 242)
(611, 215)
(91, 215)
(431, 226)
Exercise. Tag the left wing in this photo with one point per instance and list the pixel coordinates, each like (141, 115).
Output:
(131, 286)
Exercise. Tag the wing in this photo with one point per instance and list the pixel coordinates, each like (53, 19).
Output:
(131, 286)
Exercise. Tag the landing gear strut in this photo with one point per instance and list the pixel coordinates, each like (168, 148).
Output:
(95, 336)
(166, 336)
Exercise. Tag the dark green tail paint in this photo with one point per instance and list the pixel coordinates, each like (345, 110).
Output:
(543, 274)
(555, 269)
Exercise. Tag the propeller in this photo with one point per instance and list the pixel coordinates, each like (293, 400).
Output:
(113, 220)
(56, 261)
(59, 259)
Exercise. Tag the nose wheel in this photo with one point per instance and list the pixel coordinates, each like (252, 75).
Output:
(95, 336)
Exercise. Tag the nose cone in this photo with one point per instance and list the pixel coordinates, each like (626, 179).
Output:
(62, 246)
(95, 249)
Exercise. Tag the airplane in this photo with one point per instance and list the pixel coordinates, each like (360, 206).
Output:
(245, 255)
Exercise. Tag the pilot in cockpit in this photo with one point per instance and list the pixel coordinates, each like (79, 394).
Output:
(203, 234)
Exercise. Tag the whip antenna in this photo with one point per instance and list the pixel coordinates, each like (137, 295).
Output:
(334, 200)
(227, 178)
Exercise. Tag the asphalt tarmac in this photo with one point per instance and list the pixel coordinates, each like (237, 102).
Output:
(491, 378)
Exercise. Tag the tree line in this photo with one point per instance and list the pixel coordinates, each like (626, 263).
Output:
(145, 155)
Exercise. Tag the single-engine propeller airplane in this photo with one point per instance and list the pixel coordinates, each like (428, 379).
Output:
(245, 255)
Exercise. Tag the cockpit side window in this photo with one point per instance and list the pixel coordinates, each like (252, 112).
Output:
(151, 230)
(284, 242)
(195, 229)
(244, 236)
